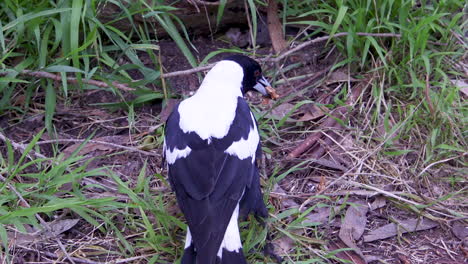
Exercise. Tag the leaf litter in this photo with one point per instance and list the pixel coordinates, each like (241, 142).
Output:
(319, 178)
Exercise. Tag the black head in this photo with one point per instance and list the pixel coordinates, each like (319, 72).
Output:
(253, 78)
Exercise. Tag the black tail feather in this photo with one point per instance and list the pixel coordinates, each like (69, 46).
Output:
(189, 256)
(252, 201)
(232, 257)
(229, 257)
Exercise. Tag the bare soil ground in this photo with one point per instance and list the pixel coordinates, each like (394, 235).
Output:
(324, 174)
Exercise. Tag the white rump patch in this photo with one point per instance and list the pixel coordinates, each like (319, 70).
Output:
(245, 148)
(172, 156)
(188, 239)
(231, 241)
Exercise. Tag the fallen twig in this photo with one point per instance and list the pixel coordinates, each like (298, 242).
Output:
(21, 147)
(329, 123)
(441, 161)
(325, 38)
(349, 172)
(190, 71)
(132, 149)
(53, 255)
(125, 87)
(44, 224)
(357, 192)
(48, 75)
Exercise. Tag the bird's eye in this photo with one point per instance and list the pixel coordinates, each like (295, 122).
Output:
(257, 73)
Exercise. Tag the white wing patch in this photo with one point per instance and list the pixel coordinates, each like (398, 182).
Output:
(188, 239)
(231, 241)
(172, 156)
(245, 148)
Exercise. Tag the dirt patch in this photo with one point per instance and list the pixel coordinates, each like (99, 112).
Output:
(79, 119)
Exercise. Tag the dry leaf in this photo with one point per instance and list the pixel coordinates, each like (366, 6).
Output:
(379, 202)
(60, 226)
(311, 113)
(322, 214)
(265, 101)
(339, 76)
(322, 184)
(55, 229)
(103, 115)
(371, 258)
(346, 254)
(90, 147)
(462, 85)
(354, 221)
(353, 226)
(460, 230)
(17, 238)
(283, 245)
(282, 110)
(285, 201)
(404, 259)
(465, 252)
(404, 226)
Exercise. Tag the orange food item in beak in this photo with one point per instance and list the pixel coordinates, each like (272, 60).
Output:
(272, 92)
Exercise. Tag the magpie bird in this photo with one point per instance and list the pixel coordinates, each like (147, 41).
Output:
(211, 146)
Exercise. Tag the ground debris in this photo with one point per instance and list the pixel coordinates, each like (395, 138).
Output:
(353, 226)
(379, 202)
(404, 226)
(322, 214)
(349, 255)
(93, 146)
(54, 229)
(460, 230)
(354, 221)
(329, 123)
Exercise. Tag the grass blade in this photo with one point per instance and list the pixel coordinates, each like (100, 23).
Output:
(219, 16)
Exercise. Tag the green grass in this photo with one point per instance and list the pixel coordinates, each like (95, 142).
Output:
(408, 125)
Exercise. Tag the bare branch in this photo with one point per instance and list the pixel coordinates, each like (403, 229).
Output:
(125, 87)
(325, 38)
(132, 149)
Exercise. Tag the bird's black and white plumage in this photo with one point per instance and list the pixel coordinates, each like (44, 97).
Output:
(211, 148)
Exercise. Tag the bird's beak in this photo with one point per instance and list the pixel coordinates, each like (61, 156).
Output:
(262, 85)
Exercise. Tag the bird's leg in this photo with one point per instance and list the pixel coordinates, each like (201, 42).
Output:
(269, 250)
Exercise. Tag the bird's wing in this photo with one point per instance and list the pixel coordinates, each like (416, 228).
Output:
(210, 176)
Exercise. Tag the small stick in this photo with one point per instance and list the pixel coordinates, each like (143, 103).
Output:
(49, 75)
(189, 71)
(133, 149)
(44, 224)
(21, 147)
(53, 255)
(330, 122)
(325, 38)
(124, 87)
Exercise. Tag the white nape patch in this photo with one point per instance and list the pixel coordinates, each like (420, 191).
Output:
(231, 241)
(172, 156)
(210, 112)
(245, 148)
(188, 239)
